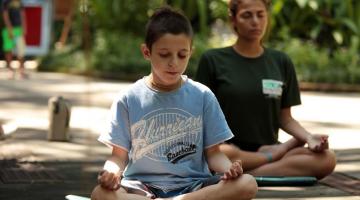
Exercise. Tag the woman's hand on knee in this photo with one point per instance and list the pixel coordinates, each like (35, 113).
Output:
(318, 142)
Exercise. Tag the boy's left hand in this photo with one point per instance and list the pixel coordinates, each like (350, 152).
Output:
(235, 171)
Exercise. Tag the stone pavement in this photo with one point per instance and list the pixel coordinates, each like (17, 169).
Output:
(31, 167)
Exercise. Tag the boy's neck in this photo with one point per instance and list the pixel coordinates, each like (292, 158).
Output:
(160, 87)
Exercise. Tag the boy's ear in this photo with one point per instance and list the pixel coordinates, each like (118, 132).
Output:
(145, 51)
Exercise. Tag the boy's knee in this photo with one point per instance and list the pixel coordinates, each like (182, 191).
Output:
(100, 193)
(96, 193)
(247, 186)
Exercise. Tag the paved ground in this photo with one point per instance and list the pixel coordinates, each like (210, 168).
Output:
(52, 170)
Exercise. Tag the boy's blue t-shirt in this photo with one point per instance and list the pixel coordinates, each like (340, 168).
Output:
(166, 133)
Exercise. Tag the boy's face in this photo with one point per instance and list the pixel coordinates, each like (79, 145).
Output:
(169, 57)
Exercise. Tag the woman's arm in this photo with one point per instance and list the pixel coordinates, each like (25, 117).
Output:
(316, 142)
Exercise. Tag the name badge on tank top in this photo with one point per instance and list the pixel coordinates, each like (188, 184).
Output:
(272, 88)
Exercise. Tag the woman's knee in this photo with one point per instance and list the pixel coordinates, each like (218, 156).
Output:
(320, 164)
(247, 186)
(328, 163)
(325, 163)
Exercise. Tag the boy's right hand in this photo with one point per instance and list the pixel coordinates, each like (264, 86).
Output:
(235, 171)
(109, 180)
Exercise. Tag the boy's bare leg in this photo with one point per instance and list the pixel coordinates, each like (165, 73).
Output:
(100, 193)
(242, 188)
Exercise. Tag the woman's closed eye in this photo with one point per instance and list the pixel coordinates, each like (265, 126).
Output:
(246, 15)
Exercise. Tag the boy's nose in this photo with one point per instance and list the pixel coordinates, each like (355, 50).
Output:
(173, 62)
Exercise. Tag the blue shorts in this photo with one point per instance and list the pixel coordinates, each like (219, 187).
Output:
(137, 187)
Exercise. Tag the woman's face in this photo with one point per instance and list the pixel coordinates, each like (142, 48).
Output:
(251, 20)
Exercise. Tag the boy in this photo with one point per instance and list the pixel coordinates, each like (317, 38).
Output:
(166, 129)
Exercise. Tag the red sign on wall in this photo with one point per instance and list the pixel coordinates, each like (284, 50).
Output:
(33, 25)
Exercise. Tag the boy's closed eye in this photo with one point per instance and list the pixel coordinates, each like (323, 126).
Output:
(164, 55)
(180, 55)
(183, 55)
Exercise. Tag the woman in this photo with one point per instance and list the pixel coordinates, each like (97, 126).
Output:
(256, 87)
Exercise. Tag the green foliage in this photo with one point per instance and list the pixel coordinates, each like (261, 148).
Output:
(321, 36)
(120, 15)
(330, 23)
(118, 55)
(131, 16)
(200, 45)
(313, 64)
(69, 60)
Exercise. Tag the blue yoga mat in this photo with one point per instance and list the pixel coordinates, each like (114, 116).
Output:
(285, 180)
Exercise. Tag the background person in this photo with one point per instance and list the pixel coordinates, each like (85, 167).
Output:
(13, 33)
(256, 88)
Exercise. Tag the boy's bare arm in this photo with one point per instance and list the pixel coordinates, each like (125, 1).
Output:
(117, 161)
(220, 163)
(113, 169)
(7, 21)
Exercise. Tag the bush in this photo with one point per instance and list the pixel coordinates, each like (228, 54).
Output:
(69, 60)
(314, 64)
(200, 45)
(118, 55)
